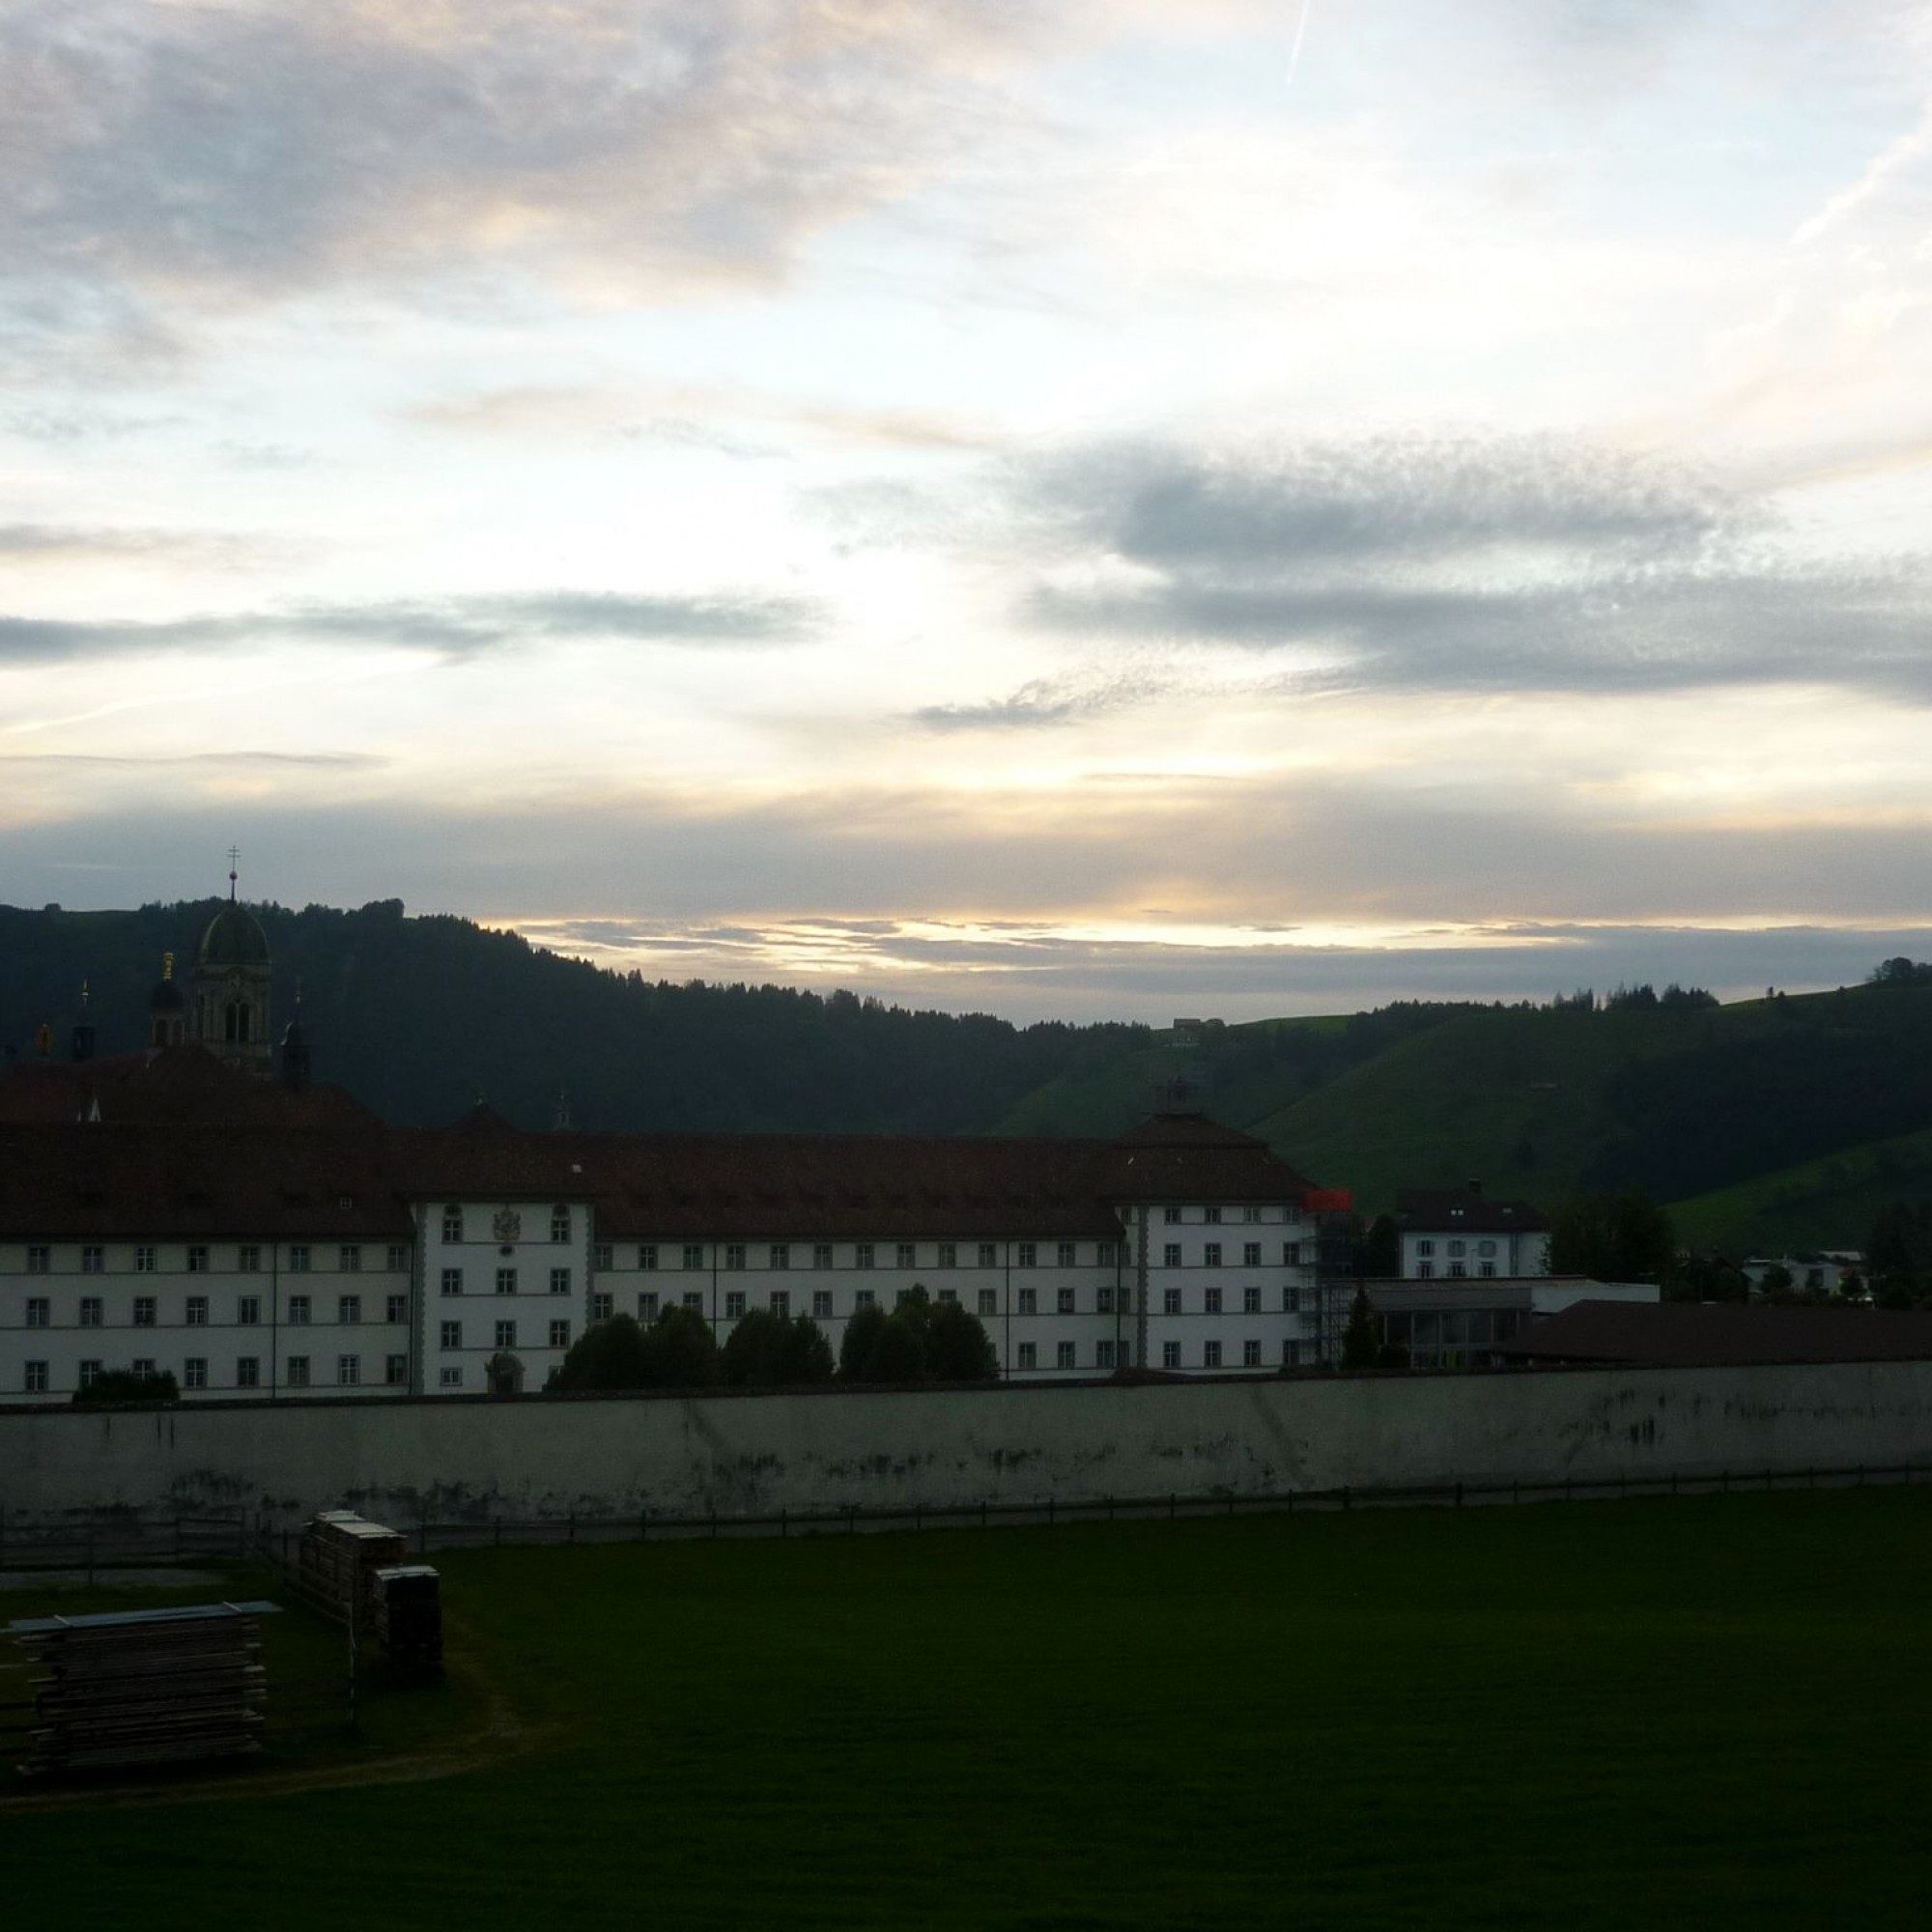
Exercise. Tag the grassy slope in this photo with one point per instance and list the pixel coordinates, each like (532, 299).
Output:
(1606, 1715)
(1825, 1202)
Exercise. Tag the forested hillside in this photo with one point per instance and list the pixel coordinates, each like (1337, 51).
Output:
(419, 1018)
(1781, 1120)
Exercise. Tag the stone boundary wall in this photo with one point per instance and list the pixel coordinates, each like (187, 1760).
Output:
(754, 1455)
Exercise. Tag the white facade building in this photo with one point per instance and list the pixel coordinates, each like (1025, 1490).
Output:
(1448, 1234)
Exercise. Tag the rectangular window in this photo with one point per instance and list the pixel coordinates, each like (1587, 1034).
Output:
(449, 1334)
(1425, 1271)
(1171, 1215)
(1486, 1267)
(1211, 1215)
(197, 1257)
(1457, 1248)
(93, 1260)
(144, 1367)
(1027, 1256)
(1210, 1255)
(734, 1253)
(1290, 1301)
(560, 1225)
(1425, 1247)
(600, 1308)
(1251, 1301)
(144, 1260)
(734, 1304)
(559, 1334)
(40, 1259)
(1170, 1254)
(949, 1253)
(1251, 1354)
(695, 1301)
(248, 1259)
(396, 1308)
(900, 1297)
(1210, 1354)
(1106, 1254)
(602, 1256)
(1029, 1301)
(779, 1255)
(144, 1311)
(781, 1302)
(1251, 1213)
(861, 1255)
(1458, 1270)
(1062, 1355)
(1067, 1253)
(821, 1304)
(1170, 1301)
(88, 1374)
(349, 1308)
(1251, 1254)
(449, 1379)
(948, 1294)
(989, 1254)
(452, 1281)
(506, 1334)
(865, 1299)
(1063, 1302)
(1212, 1301)
(197, 1310)
(294, 1371)
(452, 1223)
(821, 1254)
(1169, 1355)
(559, 1281)
(247, 1310)
(506, 1281)
(989, 1301)
(647, 1254)
(349, 1258)
(348, 1370)
(647, 1306)
(1103, 1355)
(89, 1311)
(247, 1371)
(693, 1255)
(1291, 1254)
(298, 1257)
(194, 1372)
(395, 1370)
(1029, 1355)
(297, 1310)
(396, 1257)
(36, 1378)
(1103, 1300)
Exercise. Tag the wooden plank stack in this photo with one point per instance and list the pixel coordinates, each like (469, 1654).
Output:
(356, 1570)
(145, 1687)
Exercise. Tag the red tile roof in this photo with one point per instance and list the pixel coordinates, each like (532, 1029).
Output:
(177, 1084)
(1718, 1334)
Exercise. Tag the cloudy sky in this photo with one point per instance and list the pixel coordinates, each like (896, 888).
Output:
(1064, 507)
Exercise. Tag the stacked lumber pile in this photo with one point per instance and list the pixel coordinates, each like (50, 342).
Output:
(408, 1618)
(144, 1686)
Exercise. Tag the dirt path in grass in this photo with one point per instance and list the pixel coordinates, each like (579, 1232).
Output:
(502, 1735)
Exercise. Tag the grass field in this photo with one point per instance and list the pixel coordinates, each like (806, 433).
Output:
(1708, 1711)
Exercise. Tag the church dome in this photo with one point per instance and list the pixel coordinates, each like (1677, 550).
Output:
(234, 938)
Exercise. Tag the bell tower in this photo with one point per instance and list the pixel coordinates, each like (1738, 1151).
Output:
(231, 984)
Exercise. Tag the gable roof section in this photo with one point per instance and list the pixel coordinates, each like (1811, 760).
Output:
(1460, 1210)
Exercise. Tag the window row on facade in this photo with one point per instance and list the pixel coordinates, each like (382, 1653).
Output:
(204, 1256)
(699, 1256)
(207, 1311)
(822, 1304)
(456, 1226)
(199, 1372)
(507, 1279)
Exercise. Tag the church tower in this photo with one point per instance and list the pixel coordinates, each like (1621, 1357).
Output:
(231, 986)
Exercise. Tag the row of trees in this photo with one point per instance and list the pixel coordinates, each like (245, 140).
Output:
(920, 1341)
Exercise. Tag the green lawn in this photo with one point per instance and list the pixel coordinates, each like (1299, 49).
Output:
(1706, 1711)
